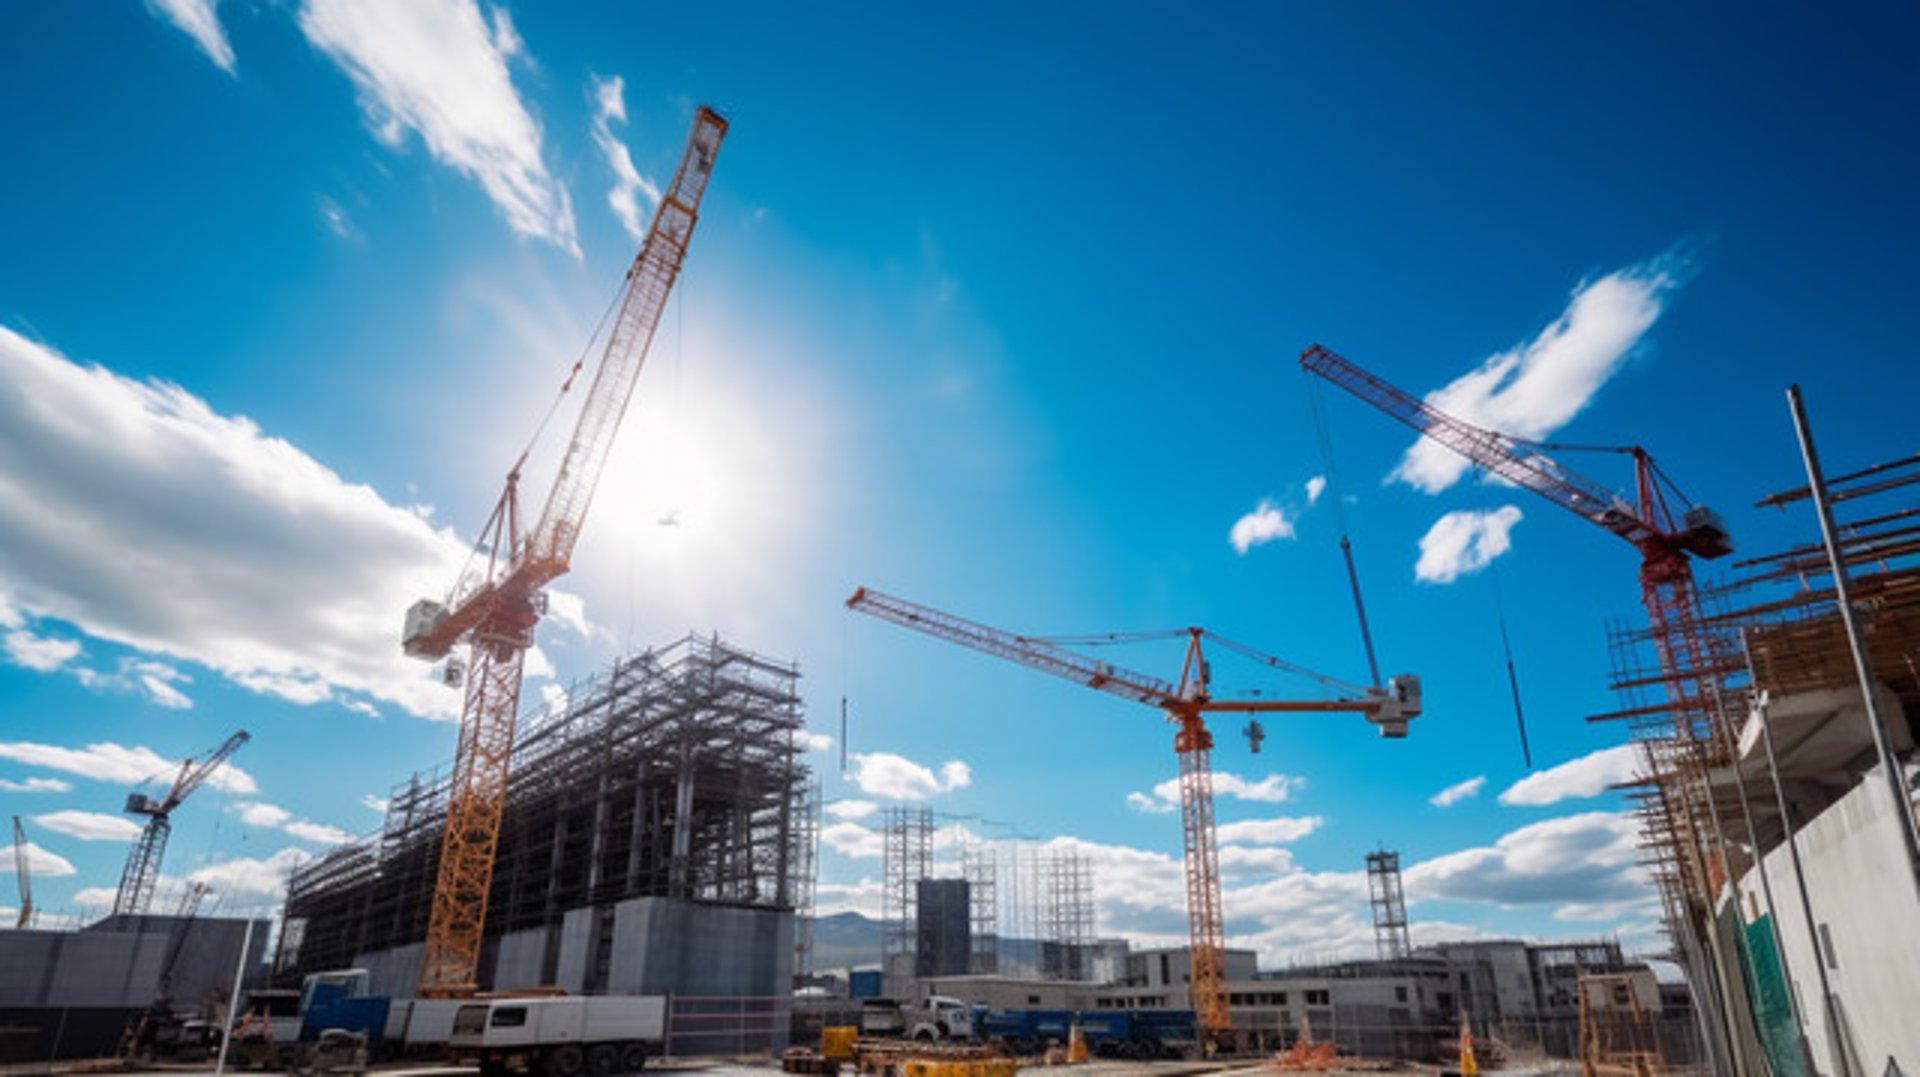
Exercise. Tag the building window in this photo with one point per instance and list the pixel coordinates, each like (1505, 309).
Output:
(1316, 998)
(1399, 994)
(1033, 1000)
(1166, 974)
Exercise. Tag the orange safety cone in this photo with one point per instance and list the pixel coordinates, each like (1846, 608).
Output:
(1468, 1067)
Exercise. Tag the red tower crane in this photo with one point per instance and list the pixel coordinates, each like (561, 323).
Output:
(495, 611)
(143, 860)
(1666, 547)
(1186, 705)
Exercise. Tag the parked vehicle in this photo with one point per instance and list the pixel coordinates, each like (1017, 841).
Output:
(594, 1036)
(936, 1019)
(1141, 1034)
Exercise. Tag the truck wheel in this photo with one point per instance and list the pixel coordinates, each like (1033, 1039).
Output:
(603, 1060)
(565, 1060)
(633, 1057)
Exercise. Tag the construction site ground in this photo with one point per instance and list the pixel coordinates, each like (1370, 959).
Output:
(758, 1067)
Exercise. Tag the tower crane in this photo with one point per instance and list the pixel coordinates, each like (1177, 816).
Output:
(25, 876)
(1667, 547)
(1186, 705)
(495, 611)
(143, 860)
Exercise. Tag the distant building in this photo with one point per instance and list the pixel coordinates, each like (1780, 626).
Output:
(943, 930)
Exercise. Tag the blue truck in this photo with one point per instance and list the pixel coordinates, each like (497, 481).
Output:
(1131, 1034)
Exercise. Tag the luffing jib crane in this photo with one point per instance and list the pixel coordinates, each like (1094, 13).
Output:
(495, 612)
(143, 861)
(24, 874)
(1666, 547)
(1186, 705)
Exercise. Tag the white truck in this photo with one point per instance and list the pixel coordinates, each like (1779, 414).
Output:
(937, 1018)
(596, 1036)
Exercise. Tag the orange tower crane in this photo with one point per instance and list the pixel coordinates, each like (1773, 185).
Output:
(495, 612)
(1186, 705)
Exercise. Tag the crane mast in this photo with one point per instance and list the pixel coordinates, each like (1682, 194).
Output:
(24, 875)
(495, 613)
(1186, 705)
(143, 860)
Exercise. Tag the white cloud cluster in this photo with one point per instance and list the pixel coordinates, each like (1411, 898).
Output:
(252, 559)
(43, 864)
(1458, 791)
(199, 20)
(1272, 789)
(852, 839)
(1275, 831)
(36, 785)
(1264, 524)
(89, 825)
(1464, 542)
(895, 777)
(1537, 388)
(1315, 487)
(120, 765)
(439, 69)
(274, 817)
(1576, 861)
(43, 654)
(610, 107)
(1588, 776)
(373, 803)
(247, 877)
(852, 809)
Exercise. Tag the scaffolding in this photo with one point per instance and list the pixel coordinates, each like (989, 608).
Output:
(677, 773)
(907, 848)
(1389, 906)
(978, 865)
(1068, 911)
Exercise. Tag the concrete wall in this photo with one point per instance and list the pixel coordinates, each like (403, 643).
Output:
(662, 946)
(394, 972)
(1855, 866)
(520, 960)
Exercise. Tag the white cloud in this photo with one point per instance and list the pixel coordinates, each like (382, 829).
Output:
(120, 765)
(42, 654)
(253, 559)
(815, 742)
(36, 785)
(628, 184)
(200, 22)
(1457, 792)
(319, 833)
(852, 809)
(373, 803)
(1463, 542)
(40, 862)
(1588, 776)
(361, 706)
(852, 839)
(1535, 389)
(252, 877)
(95, 897)
(1259, 527)
(1315, 487)
(89, 826)
(895, 777)
(1575, 862)
(570, 610)
(436, 67)
(865, 897)
(1154, 805)
(1274, 831)
(554, 698)
(1272, 789)
(537, 664)
(336, 217)
(256, 813)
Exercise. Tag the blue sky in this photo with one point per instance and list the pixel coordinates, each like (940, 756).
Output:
(997, 309)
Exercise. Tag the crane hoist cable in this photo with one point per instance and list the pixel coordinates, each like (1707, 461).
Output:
(1332, 494)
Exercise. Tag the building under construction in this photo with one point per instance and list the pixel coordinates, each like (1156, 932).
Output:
(1777, 796)
(656, 839)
